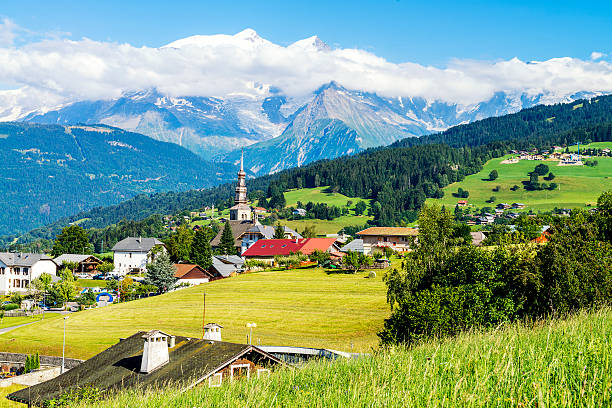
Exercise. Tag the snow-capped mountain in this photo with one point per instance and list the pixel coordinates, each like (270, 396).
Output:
(279, 129)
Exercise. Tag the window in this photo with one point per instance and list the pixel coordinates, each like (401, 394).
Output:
(16, 271)
(240, 370)
(2, 271)
(24, 283)
(17, 281)
(215, 380)
(25, 271)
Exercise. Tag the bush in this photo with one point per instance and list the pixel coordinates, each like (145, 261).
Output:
(10, 306)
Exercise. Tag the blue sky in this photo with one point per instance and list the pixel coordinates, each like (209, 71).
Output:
(429, 33)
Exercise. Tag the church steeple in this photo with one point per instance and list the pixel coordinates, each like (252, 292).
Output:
(241, 190)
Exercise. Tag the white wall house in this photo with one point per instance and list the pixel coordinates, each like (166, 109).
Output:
(18, 270)
(133, 254)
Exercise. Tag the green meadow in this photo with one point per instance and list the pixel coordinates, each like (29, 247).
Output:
(305, 307)
(551, 363)
(579, 186)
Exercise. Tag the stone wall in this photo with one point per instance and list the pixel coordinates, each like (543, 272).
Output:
(18, 358)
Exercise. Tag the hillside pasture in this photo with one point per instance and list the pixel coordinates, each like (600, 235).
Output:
(579, 186)
(320, 195)
(303, 307)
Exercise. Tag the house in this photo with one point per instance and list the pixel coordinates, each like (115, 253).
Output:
(259, 231)
(396, 238)
(503, 206)
(153, 359)
(518, 206)
(191, 274)
(266, 249)
(224, 266)
(85, 263)
(462, 203)
(131, 255)
(238, 229)
(18, 270)
(299, 211)
(355, 245)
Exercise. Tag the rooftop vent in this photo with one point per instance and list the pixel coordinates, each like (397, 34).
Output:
(155, 351)
(212, 331)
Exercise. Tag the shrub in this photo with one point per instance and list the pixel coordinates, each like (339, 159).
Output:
(10, 306)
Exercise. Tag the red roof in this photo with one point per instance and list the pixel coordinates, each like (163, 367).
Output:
(272, 247)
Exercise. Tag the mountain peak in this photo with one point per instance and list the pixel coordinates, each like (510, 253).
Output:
(330, 85)
(311, 43)
(248, 34)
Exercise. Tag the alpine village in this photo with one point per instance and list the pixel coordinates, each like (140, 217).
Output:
(227, 221)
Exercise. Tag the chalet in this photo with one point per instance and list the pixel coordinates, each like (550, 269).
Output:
(266, 249)
(191, 274)
(299, 211)
(462, 203)
(517, 206)
(131, 255)
(396, 238)
(154, 359)
(503, 206)
(85, 263)
(18, 270)
(259, 231)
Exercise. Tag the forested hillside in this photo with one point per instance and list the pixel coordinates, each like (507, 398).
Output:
(399, 178)
(48, 172)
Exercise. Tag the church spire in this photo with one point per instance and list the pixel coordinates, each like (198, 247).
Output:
(242, 159)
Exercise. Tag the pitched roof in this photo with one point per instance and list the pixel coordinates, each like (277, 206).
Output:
(390, 231)
(267, 231)
(313, 244)
(118, 367)
(184, 269)
(22, 259)
(136, 244)
(77, 258)
(355, 245)
(238, 229)
(272, 247)
(222, 268)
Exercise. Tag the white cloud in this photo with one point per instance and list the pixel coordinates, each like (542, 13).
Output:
(66, 70)
(595, 55)
(8, 32)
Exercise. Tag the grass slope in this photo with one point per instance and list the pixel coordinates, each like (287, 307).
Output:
(578, 185)
(562, 363)
(305, 307)
(321, 195)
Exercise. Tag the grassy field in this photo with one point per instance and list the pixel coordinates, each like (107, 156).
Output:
(578, 185)
(562, 363)
(319, 195)
(594, 145)
(91, 283)
(15, 321)
(305, 307)
(4, 391)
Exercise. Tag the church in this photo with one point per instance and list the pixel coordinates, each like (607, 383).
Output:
(245, 226)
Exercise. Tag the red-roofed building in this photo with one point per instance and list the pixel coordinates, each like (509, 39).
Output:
(266, 249)
(191, 274)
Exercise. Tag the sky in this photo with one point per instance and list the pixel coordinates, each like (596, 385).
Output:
(56, 52)
(425, 32)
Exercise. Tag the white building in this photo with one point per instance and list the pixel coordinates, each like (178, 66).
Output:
(131, 255)
(18, 270)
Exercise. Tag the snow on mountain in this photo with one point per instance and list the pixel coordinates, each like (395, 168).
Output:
(245, 39)
(313, 43)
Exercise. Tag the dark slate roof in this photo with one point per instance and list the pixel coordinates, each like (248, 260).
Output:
(224, 269)
(135, 244)
(238, 229)
(230, 259)
(22, 259)
(267, 231)
(118, 368)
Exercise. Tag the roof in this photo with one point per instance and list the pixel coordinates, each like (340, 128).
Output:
(22, 258)
(184, 269)
(76, 258)
(118, 367)
(272, 247)
(478, 237)
(222, 268)
(230, 259)
(390, 231)
(355, 245)
(267, 231)
(212, 325)
(238, 229)
(136, 244)
(154, 333)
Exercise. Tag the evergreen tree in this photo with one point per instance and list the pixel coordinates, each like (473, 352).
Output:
(279, 232)
(226, 246)
(201, 254)
(160, 273)
(179, 244)
(493, 175)
(72, 240)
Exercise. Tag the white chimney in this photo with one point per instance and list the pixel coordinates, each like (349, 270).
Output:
(212, 331)
(155, 353)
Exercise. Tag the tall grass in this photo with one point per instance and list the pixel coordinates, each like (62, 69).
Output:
(560, 363)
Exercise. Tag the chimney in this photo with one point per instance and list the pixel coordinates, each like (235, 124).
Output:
(212, 331)
(155, 352)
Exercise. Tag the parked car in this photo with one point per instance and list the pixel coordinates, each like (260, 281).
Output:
(99, 276)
